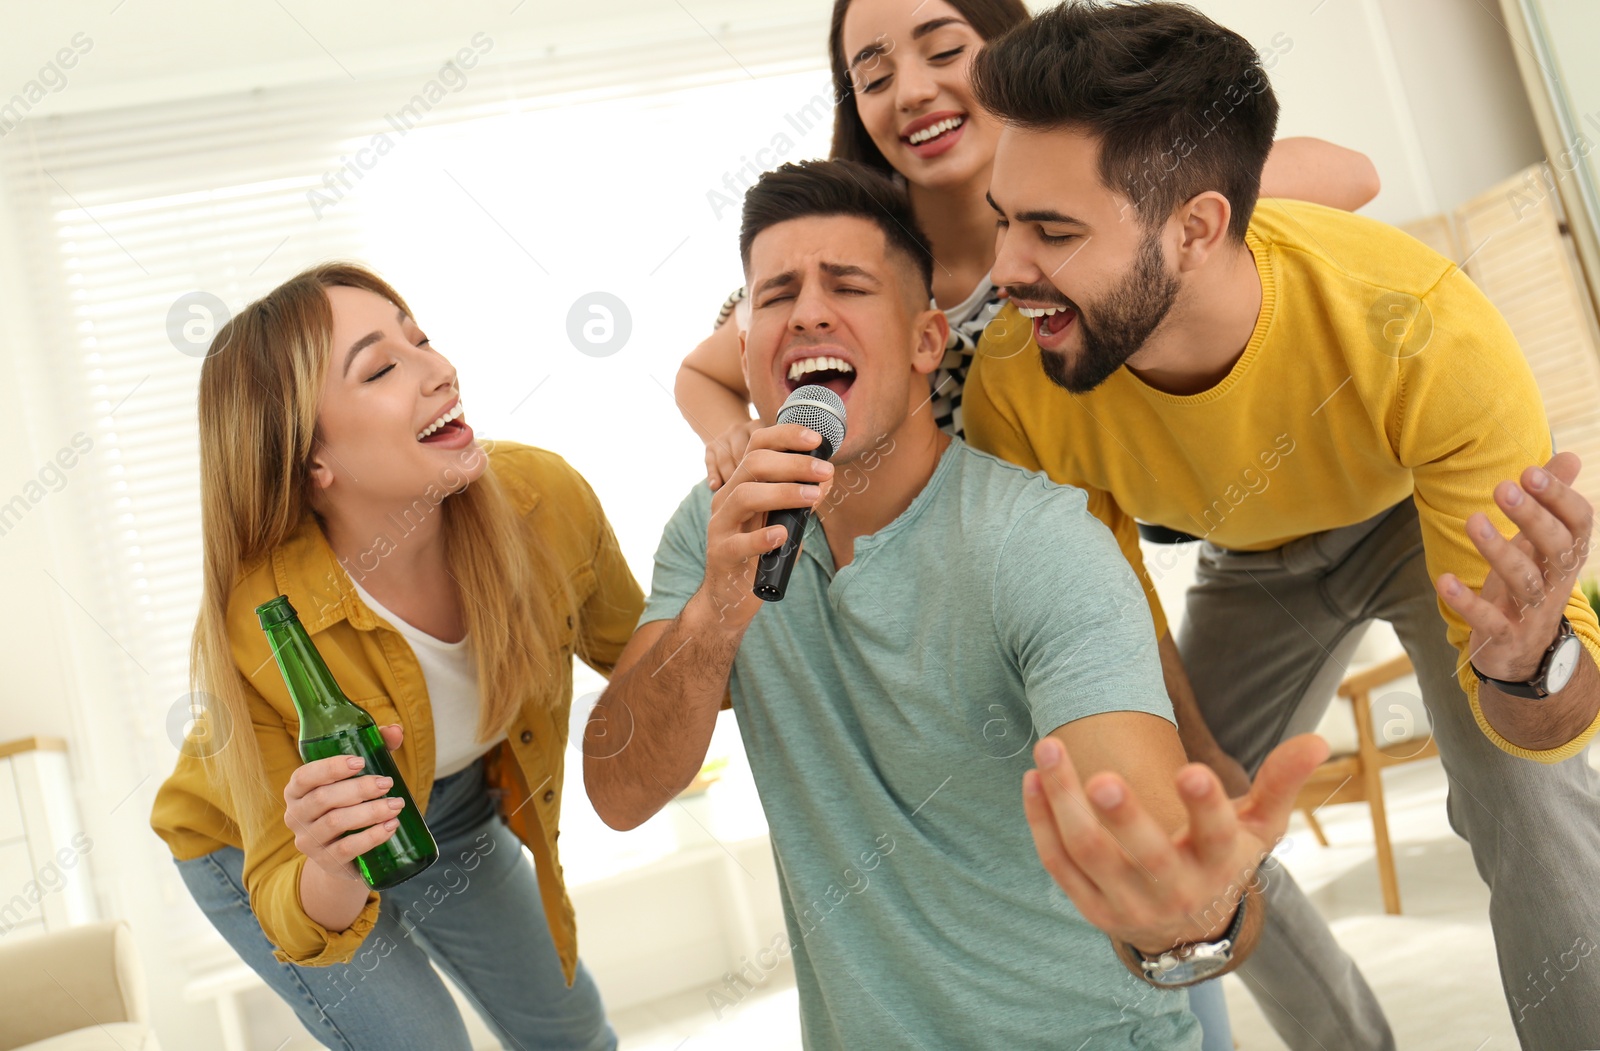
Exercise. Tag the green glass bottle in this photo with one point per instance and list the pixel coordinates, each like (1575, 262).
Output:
(332, 724)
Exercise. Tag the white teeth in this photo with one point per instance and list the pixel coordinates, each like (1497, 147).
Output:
(453, 414)
(1039, 311)
(808, 365)
(935, 130)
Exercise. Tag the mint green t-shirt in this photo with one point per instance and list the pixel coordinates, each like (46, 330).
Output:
(889, 711)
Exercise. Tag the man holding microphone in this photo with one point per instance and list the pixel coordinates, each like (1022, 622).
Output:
(943, 614)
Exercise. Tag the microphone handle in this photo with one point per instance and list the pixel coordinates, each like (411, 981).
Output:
(772, 571)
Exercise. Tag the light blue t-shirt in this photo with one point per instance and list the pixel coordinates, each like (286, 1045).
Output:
(888, 710)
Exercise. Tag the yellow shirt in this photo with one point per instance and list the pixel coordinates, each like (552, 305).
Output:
(376, 668)
(1376, 371)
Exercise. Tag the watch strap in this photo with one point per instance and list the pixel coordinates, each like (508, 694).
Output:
(1535, 688)
(1174, 968)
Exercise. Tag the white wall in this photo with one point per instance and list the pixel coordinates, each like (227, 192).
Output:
(1471, 113)
(1427, 88)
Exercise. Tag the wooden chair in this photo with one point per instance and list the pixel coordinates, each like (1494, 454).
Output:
(1358, 777)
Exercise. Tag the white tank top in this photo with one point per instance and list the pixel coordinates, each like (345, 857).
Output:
(450, 673)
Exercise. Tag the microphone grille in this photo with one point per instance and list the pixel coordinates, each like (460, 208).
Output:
(818, 408)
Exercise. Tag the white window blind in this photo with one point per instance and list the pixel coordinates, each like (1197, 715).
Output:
(493, 208)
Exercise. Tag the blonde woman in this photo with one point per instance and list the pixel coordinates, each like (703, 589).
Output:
(447, 584)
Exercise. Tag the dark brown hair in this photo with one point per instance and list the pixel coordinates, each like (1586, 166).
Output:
(988, 18)
(805, 188)
(1179, 104)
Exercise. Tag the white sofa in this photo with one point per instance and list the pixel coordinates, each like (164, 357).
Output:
(80, 989)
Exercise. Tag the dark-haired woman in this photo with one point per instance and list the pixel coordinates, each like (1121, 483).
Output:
(904, 105)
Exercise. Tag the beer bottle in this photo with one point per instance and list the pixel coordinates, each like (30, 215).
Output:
(332, 724)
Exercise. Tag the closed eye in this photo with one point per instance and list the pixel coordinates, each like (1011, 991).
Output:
(380, 372)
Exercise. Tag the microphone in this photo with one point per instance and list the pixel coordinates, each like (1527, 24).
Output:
(820, 409)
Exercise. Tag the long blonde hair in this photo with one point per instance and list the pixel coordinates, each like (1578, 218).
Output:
(259, 390)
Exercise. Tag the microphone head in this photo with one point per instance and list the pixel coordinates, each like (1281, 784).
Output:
(818, 408)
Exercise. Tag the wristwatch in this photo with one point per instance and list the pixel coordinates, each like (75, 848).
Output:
(1194, 962)
(1553, 673)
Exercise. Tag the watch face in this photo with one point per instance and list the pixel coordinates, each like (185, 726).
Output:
(1194, 969)
(1206, 966)
(1563, 662)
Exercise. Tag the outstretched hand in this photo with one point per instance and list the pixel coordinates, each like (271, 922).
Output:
(1512, 624)
(1131, 878)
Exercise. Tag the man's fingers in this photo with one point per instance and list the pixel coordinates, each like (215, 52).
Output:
(772, 465)
(1511, 563)
(1278, 783)
(1213, 824)
(752, 499)
(741, 547)
(1481, 615)
(1565, 466)
(1535, 514)
(1142, 839)
(1052, 852)
(1568, 507)
(1085, 839)
(787, 437)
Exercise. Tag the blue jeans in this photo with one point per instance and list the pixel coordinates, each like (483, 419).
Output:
(1209, 1005)
(476, 914)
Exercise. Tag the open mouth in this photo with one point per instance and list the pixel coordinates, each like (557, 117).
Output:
(936, 137)
(832, 373)
(450, 425)
(1050, 324)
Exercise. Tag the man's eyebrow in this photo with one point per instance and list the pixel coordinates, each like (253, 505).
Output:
(785, 278)
(789, 277)
(357, 347)
(1037, 215)
(848, 270)
(1049, 215)
(877, 47)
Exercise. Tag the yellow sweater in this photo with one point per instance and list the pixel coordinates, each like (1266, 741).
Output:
(1376, 371)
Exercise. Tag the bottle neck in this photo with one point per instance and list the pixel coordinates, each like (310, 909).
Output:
(320, 703)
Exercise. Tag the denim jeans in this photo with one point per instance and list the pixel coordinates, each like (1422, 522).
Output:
(1211, 1007)
(476, 914)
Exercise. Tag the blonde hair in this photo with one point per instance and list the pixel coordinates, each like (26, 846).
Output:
(259, 389)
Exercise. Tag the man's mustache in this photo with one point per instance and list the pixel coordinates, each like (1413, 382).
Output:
(1045, 294)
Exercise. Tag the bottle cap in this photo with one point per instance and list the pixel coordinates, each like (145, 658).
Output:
(276, 612)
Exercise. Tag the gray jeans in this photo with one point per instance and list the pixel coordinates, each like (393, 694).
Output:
(1265, 642)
